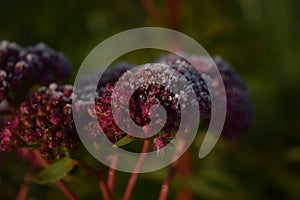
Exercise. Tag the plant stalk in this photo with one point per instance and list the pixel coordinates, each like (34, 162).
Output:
(24, 189)
(152, 11)
(101, 181)
(137, 168)
(111, 178)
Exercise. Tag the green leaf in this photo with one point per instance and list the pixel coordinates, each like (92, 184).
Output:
(55, 171)
(124, 141)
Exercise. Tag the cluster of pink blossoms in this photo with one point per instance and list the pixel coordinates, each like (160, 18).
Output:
(44, 121)
(146, 96)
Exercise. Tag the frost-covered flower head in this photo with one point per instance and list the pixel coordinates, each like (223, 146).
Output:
(148, 94)
(43, 122)
(239, 114)
(195, 79)
(152, 85)
(37, 64)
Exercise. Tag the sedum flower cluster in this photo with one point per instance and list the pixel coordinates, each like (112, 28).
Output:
(145, 97)
(44, 120)
(21, 68)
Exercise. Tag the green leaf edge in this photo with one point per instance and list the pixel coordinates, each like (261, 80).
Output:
(124, 141)
(54, 172)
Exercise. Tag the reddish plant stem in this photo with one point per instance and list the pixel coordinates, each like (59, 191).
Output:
(152, 11)
(185, 171)
(105, 192)
(173, 13)
(66, 190)
(185, 194)
(101, 180)
(165, 188)
(24, 189)
(137, 168)
(61, 184)
(111, 178)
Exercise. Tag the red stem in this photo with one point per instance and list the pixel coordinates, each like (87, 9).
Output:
(137, 168)
(185, 170)
(173, 7)
(165, 188)
(61, 184)
(152, 11)
(101, 180)
(105, 192)
(23, 191)
(111, 179)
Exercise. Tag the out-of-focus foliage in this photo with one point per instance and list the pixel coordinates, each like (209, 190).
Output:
(259, 37)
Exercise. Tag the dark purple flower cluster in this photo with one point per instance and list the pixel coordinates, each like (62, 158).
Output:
(194, 78)
(239, 115)
(21, 68)
(239, 109)
(140, 103)
(112, 75)
(43, 122)
(85, 95)
(146, 97)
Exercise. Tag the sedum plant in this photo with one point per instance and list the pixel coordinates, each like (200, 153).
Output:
(38, 125)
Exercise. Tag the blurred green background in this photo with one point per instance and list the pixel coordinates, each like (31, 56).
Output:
(261, 40)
